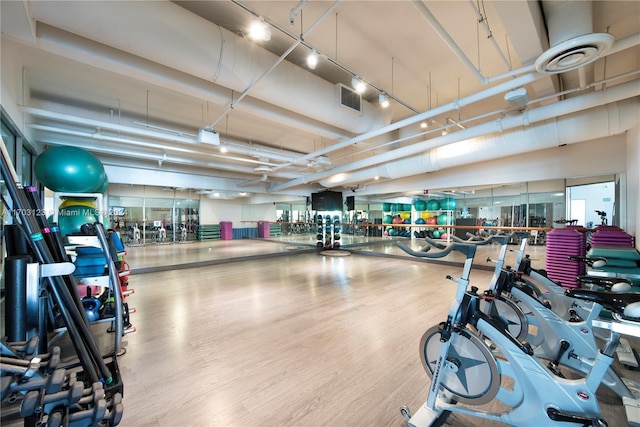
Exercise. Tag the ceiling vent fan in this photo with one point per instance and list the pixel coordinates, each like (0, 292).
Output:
(571, 37)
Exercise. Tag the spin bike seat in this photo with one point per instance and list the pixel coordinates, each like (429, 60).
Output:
(614, 301)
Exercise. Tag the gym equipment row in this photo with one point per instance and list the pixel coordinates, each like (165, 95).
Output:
(73, 382)
(487, 352)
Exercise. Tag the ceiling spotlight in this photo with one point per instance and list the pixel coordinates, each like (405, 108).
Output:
(312, 59)
(224, 149)
(358, 84)
(424, 125)
(383, 99)
(259, 31)
(445, 132)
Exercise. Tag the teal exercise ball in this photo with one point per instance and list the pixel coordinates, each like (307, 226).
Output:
(104, 186)
(386, 207)
(433, 205)
(387, 219)
(448, 203)
(72, 217)
(436, 234)
(444, 219)
(420, 205)
(70, 169)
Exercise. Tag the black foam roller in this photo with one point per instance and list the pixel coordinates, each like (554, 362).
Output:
(15, 269)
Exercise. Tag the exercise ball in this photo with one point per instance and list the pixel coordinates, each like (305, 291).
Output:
(420, 205)
(104, 186)
(406, 207)
(405, 215)
(436, 234)
(444, 236)
(392, 232)
(420, 221)
(433, 205)
(72, 217)
(69, 169)
(448, 203)
(387, 219)
(407, 221)
(396, 220)
(432, 220)
(425, 215)
(89, 202)
(386, 207)
(444, 219)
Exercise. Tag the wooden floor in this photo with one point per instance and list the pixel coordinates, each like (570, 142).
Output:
(297, 339)
(276, 333)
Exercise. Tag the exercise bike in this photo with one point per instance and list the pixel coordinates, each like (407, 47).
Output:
(563, 342)
(552, 294)
(465, 372)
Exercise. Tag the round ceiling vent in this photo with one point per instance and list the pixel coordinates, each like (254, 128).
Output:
(574, 53)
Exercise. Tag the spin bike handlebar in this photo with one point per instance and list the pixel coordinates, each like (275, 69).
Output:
(477, 240)
(468, 250)
(596, 262)
(618, 302)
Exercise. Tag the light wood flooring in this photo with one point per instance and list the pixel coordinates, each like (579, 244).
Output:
(276, 333)
(284, 335)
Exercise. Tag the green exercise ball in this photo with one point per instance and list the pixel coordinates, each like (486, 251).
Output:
(388, 219)
(72, 217)
(69, 169)
(444, 219)
(420, 205)
(436, 234)
(386, 207)
(433, 205)
(448, 203)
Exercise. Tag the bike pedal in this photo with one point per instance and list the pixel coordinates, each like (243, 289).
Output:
(626, 355)
(632, 409)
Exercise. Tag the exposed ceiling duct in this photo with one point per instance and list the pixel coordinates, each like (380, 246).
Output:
(452, 150)
(155, 31)
(571, 37)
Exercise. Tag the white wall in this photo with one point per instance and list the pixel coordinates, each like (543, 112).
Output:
(11, 91)
(633, 184)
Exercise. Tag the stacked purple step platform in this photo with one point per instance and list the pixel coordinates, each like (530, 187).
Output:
(561, 244)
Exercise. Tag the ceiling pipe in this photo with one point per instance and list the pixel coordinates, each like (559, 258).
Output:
(180, 39)
(121, 151)
(501, 88)
(498, 89)
(454, 146)
(448, 40)
(86, 51)
(233, 145)
(483, 21)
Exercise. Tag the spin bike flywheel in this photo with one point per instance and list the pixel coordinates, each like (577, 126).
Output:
(470, 374)
(509, 313)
